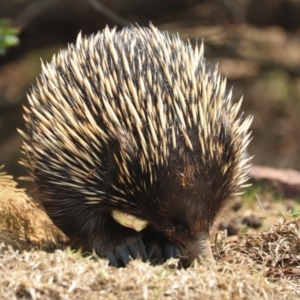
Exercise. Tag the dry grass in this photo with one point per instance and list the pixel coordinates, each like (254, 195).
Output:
(63, 275)
(22, 222)
(258, 265)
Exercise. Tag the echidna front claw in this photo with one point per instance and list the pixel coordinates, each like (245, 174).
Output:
(158, 247)
(122, 254)
(131, 248)
(137, 249)
(112, 259)
(117, 243)
(171, 251)
(160, 253)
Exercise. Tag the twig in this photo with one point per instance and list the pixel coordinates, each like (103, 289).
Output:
(109, 13)
(263, 210)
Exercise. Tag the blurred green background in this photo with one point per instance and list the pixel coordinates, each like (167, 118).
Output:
(255, 42)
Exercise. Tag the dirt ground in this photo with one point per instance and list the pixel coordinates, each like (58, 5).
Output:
(251, 263)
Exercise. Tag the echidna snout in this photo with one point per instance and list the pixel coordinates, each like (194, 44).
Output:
(135, 121)
(184, 223)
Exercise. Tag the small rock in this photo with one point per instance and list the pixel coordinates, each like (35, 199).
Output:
(237, 205)
(232, 229)
(252, 221)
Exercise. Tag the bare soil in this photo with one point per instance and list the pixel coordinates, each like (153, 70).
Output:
(262, 263)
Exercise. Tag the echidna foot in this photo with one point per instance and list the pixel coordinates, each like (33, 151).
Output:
(122, 252)
(158, 247)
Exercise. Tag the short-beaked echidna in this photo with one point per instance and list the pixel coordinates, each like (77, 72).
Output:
(135, 121)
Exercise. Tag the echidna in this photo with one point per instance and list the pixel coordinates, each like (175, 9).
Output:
(135, 121)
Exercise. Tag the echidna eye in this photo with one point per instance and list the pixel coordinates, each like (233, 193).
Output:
(180, 228)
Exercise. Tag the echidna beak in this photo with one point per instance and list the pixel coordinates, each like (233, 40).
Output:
(200, 251)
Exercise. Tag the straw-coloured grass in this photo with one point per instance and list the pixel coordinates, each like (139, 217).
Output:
(257, 265)
(22, 222)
